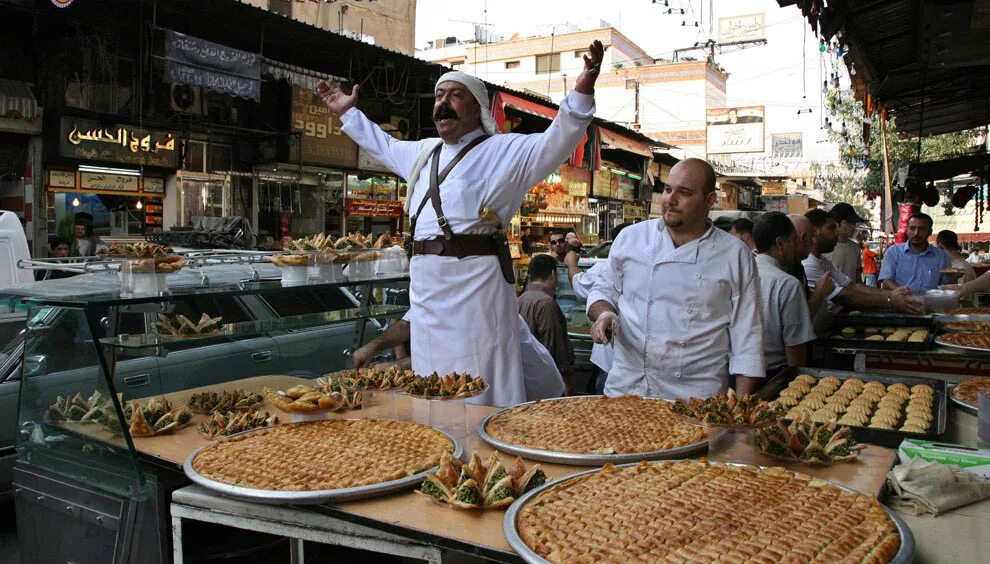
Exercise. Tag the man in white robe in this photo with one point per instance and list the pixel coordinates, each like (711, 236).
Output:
(463, 312)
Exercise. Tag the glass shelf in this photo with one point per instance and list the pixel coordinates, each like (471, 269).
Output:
(231, 330)
(115, 298)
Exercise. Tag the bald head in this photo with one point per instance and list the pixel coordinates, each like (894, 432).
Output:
(805, 234)
(699, 169)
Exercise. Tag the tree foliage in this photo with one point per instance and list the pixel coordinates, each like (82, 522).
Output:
(847, 123)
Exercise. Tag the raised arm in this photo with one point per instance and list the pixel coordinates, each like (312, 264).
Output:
(397, 156)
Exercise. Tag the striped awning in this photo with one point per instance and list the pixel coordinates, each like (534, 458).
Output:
(16, 100)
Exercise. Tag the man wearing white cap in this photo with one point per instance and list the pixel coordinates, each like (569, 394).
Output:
(462, 304)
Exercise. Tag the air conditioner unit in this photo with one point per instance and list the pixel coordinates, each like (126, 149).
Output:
(185, 99)
(401, 126)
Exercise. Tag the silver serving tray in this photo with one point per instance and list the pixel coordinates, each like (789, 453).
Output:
(315, 497)
(967, 407)
(904, 555)
(575, 459)
(962, 347)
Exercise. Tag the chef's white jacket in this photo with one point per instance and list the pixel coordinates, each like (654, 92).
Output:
(688, 316)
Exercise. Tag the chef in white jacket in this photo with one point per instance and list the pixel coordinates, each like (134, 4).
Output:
(463, 310)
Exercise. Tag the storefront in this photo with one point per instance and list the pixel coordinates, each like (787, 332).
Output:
(621, 185)
(111, 178)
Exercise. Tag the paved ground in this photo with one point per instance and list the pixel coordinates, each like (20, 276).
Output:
(10, 553)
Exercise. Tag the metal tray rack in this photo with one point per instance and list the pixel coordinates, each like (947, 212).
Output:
(838, 341)
(882, 437)
(316, 497)
(578, 459)
(904, 555)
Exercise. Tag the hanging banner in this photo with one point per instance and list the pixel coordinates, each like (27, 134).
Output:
(198, 62)
(735, 130)
(774, 188)
(374, 208)
(734, 29)
(86, 139)
(320, 140)
(786, 145)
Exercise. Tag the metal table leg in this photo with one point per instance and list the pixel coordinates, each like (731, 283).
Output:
(177, 557)
(296, 555)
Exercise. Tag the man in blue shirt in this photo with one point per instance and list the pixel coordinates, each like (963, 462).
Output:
(915, 265)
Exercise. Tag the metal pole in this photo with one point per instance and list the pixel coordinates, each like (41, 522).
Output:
(888, 200)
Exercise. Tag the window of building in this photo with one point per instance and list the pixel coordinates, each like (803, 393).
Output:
(512, 64)
(547, 63)
(579, 53)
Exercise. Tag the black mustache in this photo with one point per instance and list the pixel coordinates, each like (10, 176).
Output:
(445, 112)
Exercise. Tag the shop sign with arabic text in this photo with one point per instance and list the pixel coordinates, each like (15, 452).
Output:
(86, 139)
(374, 208)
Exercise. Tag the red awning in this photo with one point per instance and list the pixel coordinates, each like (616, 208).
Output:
(503, 100)
(974, 237)
(615, 140)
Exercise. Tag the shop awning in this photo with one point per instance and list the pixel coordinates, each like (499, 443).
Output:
(503, 100)
(974, 237)
(17, 100)
(615, 140)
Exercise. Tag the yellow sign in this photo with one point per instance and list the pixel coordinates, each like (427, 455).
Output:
(123, 137)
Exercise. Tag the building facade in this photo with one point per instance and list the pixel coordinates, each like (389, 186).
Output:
(662, 100)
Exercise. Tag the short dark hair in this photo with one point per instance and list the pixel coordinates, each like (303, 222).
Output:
(743, 225)
(57, 240)
(948, 239)
(552, 233)
(768, 227)
(618, 228)
(924, 216)
(541, 267)
(817, 216)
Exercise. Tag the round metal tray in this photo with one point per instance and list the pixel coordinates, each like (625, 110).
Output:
(315, 497)
(967, 407)
(577, 459)
(904, 555)
(939, 341)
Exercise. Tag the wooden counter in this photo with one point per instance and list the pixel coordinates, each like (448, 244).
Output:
(478, 532)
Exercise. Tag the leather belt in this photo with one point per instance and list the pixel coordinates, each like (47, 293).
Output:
(459, 246)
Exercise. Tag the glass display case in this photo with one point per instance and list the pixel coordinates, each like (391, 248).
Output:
(88, 354)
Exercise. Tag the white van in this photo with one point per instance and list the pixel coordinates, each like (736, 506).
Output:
(13, 248)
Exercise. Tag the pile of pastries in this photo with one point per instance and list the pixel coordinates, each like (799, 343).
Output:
(180, 326)
(890, 334)
(862, 404)
(480, 486)
(322, 242)
(212, 402)
(140, 249)
(968, 392)
(729, 409)
(307, 399)
(226, 423)
(77, 409)
(451, 386)
(374, 378)
(808, 441)
(155, 417)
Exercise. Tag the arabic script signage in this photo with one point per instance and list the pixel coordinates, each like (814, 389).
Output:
(751, 27)
(786, 145)
(320, 140)
(108, 182)
(735, 130)
(198, 62)
(374, 208)
(86, 139)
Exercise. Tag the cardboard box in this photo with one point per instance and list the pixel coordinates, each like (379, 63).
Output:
(973, 460)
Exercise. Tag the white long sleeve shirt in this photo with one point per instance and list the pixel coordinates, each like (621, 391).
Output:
(583, 283)
(464, 316)
(688, 315)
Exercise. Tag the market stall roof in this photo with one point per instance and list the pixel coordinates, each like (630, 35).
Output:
(947, 168)
(929, 61)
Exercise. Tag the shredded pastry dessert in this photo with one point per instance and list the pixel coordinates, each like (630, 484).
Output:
(692, 512)
(595, 425)
(324, 455)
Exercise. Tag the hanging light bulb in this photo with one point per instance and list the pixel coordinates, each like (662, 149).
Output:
(852, 70)
(75, 202)
(139, 205)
